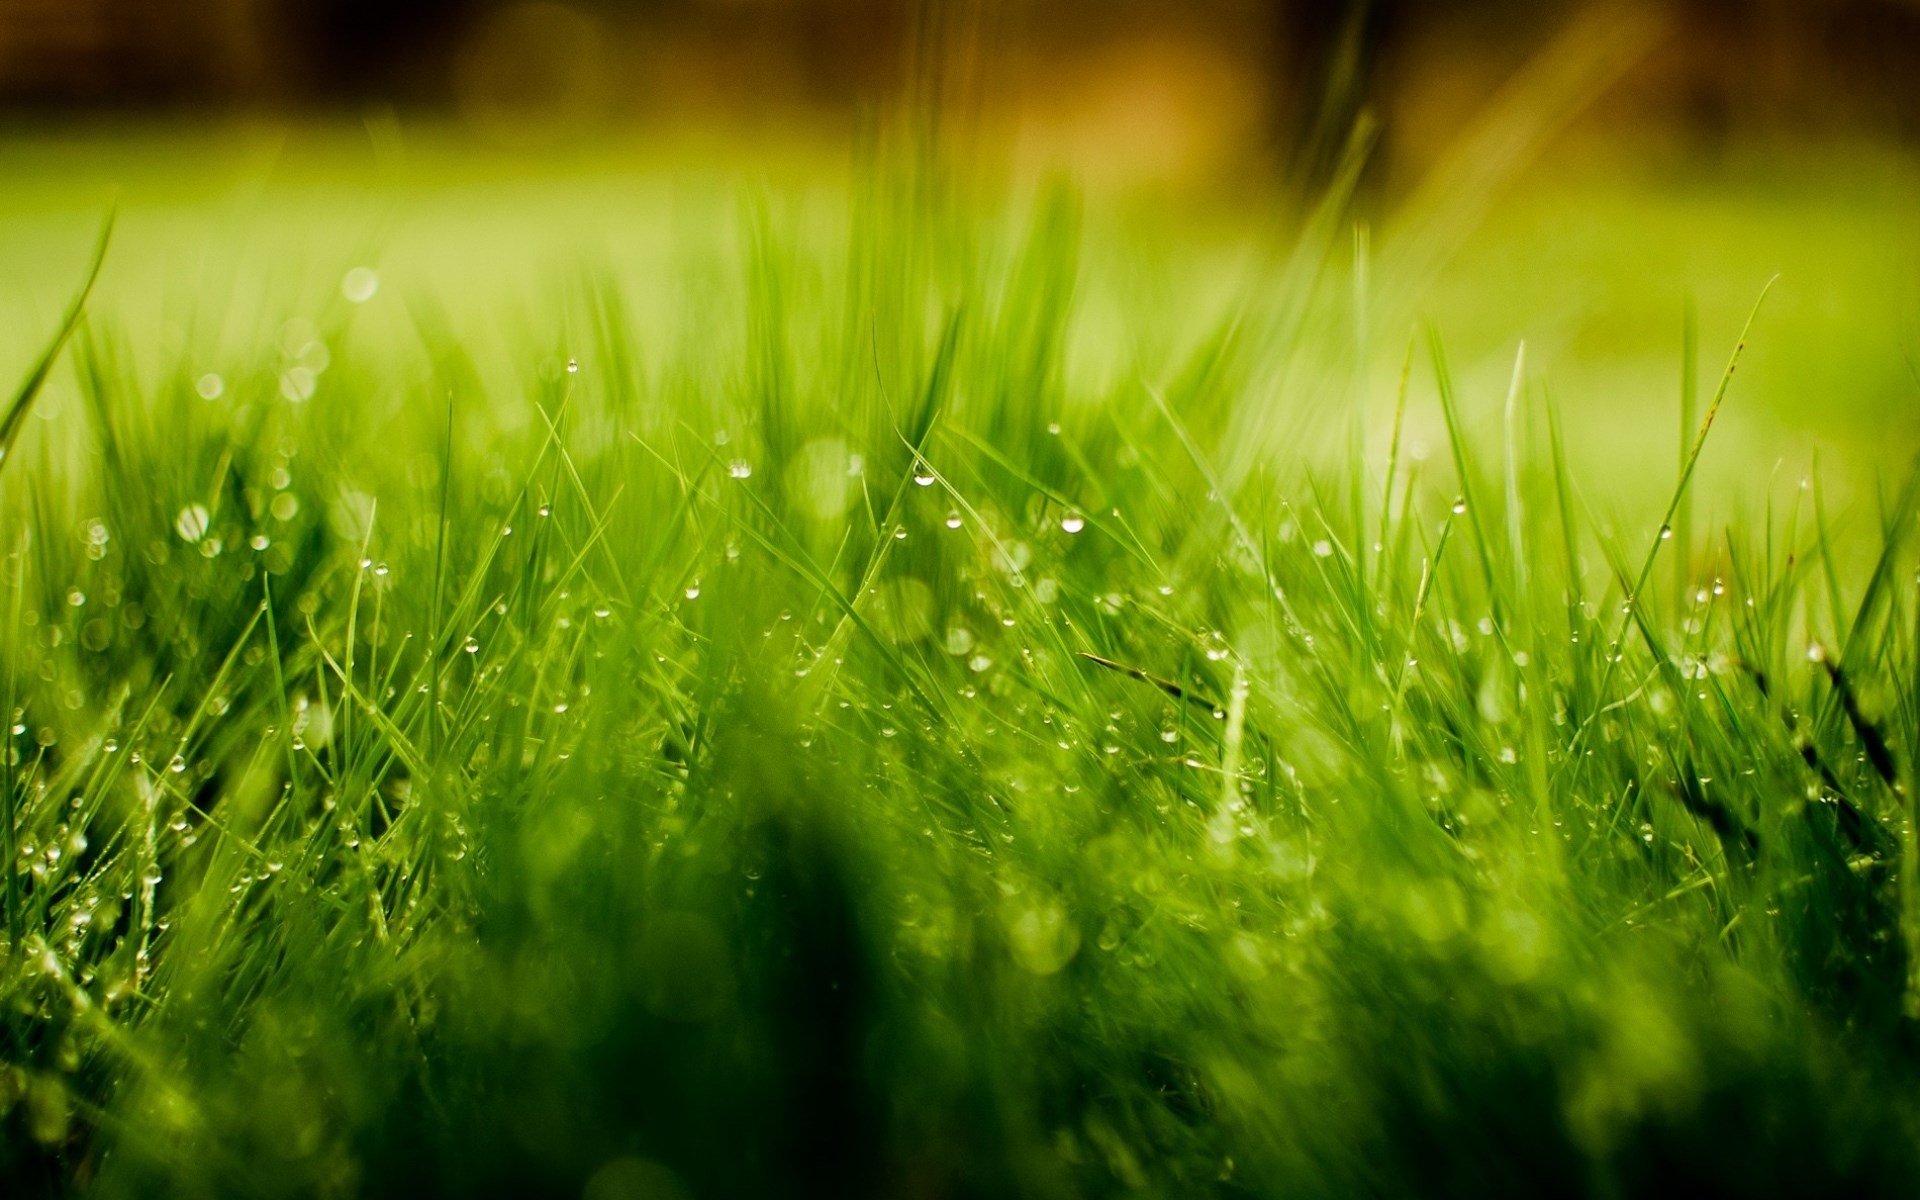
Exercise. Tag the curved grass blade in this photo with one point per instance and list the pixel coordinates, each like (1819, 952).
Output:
(22, 401)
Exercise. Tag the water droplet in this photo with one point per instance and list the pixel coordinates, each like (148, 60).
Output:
(979, 663)
(192, 522)
(297, 384)
(76, 598)
(739, 468)
(1666, 533)
(953, 520)
(360, 284)
(1323, 549)
(472, 646)
(1459, 506)
(210, 386)
(545, 510)
(693, 590)
(923, 474)
(573, 366)
(1073, 522)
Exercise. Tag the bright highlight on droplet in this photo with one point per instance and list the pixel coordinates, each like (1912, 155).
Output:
(193, 522)
(1073, 522)
(360, 284)
(297, 384)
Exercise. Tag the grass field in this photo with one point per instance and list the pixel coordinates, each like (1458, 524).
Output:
(627, 682)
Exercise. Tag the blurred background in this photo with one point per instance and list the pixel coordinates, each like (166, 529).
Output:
(1204, 85)
(1575, 173)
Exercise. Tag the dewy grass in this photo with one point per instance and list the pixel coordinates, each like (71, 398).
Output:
(865, 738)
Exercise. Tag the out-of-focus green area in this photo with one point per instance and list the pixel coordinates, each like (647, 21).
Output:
(1594, 262)
(1591, 255)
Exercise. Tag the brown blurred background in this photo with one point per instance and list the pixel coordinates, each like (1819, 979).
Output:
(1725, 60)
(1202, 82)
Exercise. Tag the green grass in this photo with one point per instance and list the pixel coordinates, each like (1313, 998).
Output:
(851, 694)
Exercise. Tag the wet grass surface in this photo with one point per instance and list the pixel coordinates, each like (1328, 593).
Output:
(843, 694)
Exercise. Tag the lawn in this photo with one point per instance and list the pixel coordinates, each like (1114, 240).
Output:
(686, 674)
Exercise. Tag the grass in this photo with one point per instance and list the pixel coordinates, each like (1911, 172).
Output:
(892, 707)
